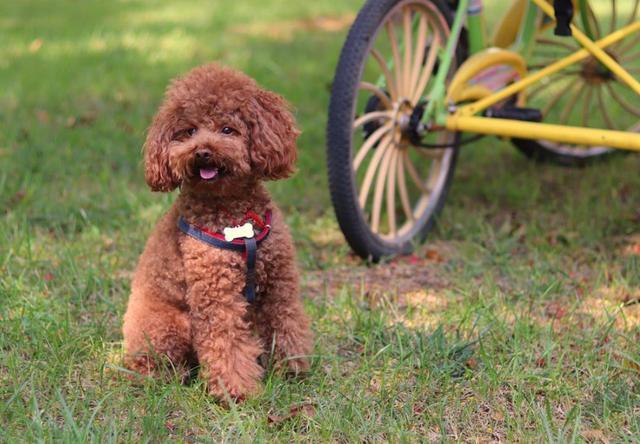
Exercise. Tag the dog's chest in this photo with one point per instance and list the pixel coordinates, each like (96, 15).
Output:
(222, 269)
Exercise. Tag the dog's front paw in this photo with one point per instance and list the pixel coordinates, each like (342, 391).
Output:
(293, 366)
(297, 366)
(238, 383)
(236, 394)
(235, 390)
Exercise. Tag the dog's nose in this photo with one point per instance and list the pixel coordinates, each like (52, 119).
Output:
(203, 154)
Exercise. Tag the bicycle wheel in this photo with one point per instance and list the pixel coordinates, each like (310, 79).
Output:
(387, 192)
(588, 94)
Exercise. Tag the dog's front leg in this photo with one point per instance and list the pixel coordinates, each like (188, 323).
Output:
(283, 324)
(226, 348)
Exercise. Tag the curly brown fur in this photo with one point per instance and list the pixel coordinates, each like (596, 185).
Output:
(187, 298)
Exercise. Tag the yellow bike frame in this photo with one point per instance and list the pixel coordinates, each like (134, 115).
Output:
(464, 119)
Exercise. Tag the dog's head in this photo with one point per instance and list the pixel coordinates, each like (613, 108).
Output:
(218, 129)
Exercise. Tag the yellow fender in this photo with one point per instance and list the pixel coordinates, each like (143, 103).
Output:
(464, 85)
(507, 29)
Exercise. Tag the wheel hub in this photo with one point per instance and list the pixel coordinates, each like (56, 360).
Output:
(402, 114)
(595, 73)
(414, 132)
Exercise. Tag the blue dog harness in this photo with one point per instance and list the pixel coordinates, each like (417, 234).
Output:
(247, 245)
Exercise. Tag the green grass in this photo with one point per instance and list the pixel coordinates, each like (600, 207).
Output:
(514, 323)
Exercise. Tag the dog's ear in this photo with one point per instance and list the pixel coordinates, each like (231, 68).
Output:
(157, 168)
(273, 136)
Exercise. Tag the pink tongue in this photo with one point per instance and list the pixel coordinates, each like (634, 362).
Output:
(208, 173)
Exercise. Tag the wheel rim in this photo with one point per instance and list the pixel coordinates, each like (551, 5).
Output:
(589, 95)
(397, 184)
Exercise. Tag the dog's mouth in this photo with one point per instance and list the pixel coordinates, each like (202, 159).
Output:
(207, 171)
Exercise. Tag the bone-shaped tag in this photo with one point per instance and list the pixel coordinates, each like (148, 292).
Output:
(232, 233)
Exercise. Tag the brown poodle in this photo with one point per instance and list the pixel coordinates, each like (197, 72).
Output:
(218, 136)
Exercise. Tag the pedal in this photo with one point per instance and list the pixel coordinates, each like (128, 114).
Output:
(515, 113)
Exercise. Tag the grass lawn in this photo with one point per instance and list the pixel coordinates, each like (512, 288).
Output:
(518, 321)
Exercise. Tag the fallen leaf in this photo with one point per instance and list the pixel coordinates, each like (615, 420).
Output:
(17, 197)
(434, 255)
(35, 45)
(595, 436)
(83, 120)
(374, 385)
(48, 277)
(631, 365)
(625, 192)
(555, 310)
(472, 363)
(306, 409)
(42, 116)
(631, 299)
(633, 249)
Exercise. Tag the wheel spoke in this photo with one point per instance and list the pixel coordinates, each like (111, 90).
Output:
(554, 42)
(391, 193)
(622, 46)
(402, 188)
(370, 142)
(634, 13)
(603, 107)
(380, 181)
(628, 45)
(378, 92)
(373, 115)
(630, 57)
(397, 67)
(551, 103)
(543, 86)
(627, 106)
(414, 174)
(431, 153)
(565, 73)
(386, 73)
(426, 70)
(596, 24)
(614, 18)
(586, 110)
(550, 58)
(408, 51)
(371, 170)
(419, 53)
(571, 103)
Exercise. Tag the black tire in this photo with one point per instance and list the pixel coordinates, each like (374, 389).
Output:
(546, 152)
(342, 181)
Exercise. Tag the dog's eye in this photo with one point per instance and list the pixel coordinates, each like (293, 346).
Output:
(183, 134)
(228, 130)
